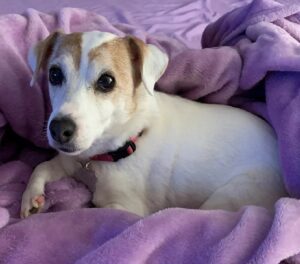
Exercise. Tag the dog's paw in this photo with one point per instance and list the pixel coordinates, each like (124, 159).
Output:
(31, 203)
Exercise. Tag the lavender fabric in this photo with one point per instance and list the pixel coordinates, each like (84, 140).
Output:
(266, 35)
(250, 61)
(184, 20)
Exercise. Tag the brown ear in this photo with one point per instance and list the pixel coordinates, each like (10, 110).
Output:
(149, 62)
(38, 56)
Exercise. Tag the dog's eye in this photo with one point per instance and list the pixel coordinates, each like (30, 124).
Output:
(56, 76)
(105, 83)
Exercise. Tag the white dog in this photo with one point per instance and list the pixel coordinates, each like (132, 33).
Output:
(148, 150)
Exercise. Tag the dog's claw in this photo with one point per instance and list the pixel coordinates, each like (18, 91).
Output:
(32, 206)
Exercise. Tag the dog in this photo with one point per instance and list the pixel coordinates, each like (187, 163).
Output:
(148, 150)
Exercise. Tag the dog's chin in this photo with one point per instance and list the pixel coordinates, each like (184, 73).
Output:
(70, 152)
(67, 149)
(71, 149)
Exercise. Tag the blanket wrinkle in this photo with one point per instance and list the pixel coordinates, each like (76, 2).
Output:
(270, 48)
(249, 60)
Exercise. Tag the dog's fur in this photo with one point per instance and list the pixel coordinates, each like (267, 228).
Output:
(190, 155)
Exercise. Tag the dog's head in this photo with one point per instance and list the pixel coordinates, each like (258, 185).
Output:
(96, 80)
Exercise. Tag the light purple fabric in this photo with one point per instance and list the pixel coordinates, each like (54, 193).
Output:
(231, 71)
(267, 38)
(184, 20)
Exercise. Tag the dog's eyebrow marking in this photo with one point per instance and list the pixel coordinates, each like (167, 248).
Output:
(72, 43)
(91, 40)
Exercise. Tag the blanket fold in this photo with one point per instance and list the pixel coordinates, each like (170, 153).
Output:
(268, 42)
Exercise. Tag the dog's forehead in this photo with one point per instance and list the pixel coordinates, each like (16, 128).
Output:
(92, 40)
(79, 45)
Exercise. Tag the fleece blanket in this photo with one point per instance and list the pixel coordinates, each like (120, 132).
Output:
(250, 60)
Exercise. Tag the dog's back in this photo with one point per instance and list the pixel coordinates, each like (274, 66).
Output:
(212, 155)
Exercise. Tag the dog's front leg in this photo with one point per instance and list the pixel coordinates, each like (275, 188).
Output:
(129, 206)
(115, 191)
(33, 197)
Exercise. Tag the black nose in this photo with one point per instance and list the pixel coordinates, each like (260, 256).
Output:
(62, 130)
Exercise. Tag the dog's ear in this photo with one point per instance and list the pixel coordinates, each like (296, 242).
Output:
(149, 62)
(38, 55)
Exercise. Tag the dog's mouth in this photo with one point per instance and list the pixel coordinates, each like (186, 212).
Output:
(69, 150)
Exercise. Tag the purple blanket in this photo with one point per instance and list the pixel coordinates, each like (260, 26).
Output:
(250, 61)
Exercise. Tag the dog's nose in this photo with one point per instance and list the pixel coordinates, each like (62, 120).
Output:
(62, 130)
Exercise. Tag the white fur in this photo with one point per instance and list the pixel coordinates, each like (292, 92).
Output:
(191, 155)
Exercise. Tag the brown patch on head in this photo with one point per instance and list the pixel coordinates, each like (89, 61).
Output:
(136, 49)
(71, 44)
(43, 51)
(124, 57)
(125, 54)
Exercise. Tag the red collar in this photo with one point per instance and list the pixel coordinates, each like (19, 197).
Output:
(123, 152)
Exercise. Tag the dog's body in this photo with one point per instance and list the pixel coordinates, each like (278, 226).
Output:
(190, 154)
